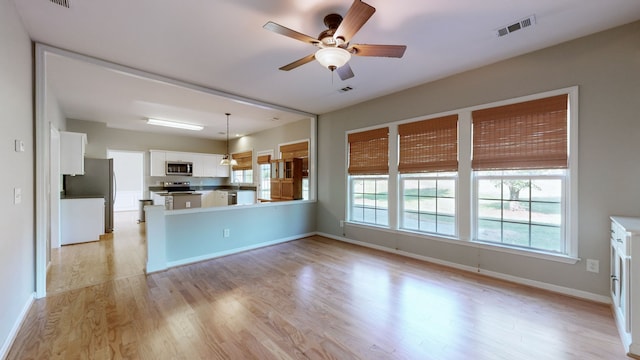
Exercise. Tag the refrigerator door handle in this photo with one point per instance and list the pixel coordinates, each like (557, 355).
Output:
(115, 188)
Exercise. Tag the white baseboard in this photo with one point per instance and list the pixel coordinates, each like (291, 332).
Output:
(519, 280)
(196, 259)
(4, 351)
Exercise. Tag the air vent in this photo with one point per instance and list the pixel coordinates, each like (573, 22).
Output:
(524, 23)
(345, 89)
(64, 3)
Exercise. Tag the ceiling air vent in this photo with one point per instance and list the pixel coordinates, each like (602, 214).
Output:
(64, 3)
(524, 23)
(345, 89)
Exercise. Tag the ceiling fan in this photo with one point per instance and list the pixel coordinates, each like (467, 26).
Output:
(335, 50)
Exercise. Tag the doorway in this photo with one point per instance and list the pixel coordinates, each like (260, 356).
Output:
(128, 169)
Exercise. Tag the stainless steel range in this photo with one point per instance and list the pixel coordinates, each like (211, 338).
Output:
(180, 195)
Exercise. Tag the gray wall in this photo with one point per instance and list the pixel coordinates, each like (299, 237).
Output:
(17, 259)
(605, 66)
(269, 139)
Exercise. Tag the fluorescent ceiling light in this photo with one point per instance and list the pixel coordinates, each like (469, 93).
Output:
(174, 124)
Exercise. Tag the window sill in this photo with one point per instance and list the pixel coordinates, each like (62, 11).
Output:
(566, 259)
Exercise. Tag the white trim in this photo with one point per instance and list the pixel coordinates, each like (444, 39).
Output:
(195, 259)
(515, 279)
(11, 337)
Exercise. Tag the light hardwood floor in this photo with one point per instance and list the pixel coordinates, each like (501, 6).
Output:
(313, 298)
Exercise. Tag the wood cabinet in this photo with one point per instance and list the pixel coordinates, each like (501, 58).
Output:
(72, 150)
(624, 288)
(286, 179)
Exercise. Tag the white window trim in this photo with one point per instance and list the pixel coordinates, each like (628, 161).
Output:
(464, 192)
(259, 182)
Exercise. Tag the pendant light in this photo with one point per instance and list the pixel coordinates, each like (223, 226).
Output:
(227, 160)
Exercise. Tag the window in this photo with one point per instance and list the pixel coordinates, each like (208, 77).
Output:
(520, 162)
(429, 203)
(368, 176)
(243, 172)
(370, 200)
(428, 164)
(522, 208)
(500, 175)
(264, 165)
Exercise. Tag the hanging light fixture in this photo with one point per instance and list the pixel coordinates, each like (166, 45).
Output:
(227, 160)
(332, 57)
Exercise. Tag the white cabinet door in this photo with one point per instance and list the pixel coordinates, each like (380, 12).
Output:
(72, 149)
(157, 161)
(180, 156)
(204, 165)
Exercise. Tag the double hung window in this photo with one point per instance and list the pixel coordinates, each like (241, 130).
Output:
(520, 162)
(243, 172)
(368, 177)
(428, 164)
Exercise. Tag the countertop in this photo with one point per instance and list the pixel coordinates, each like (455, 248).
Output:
(70, 197)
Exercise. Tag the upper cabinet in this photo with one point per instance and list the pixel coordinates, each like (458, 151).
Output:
(204, 165)
(72, 150)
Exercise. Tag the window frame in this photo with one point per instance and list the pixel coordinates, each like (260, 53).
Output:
(352, 180)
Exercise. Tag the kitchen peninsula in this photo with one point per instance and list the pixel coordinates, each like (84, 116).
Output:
(179, 237)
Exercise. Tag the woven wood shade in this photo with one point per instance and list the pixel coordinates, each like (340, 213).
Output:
(244, 160)
(429, 145)
(369, 152)
(297, 150)
(527, 135)
(264, 159)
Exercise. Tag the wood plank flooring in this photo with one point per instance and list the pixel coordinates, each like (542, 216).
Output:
(313, 298)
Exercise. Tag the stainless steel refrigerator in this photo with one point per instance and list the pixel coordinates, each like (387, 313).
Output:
(98, 180)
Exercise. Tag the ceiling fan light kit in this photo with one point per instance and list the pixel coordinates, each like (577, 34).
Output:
(332, 57)
(335, 50)
(174, 124)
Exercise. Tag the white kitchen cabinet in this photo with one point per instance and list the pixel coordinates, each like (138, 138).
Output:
(204, 165)
(72, 150)
(180, 156)
(246, 197)
(157, 160)
(625, 289)
(81, 220)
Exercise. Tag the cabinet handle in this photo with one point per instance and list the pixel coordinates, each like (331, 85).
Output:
(614, 278)
(619, 240)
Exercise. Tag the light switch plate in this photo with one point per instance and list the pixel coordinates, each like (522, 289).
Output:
(17, 195)
(593, 265)
(19, 145)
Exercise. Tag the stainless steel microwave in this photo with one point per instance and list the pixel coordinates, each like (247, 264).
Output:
(182, 168)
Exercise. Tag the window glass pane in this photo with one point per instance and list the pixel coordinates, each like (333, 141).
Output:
(546, 190)
(447, 188)
(546, 213)
(411, 203)
(517, 211)
(427, 222)
(382, 217)
(410, 220)
(489, 209)
(515, 234)
(446, 206)
(489, 189)
(357, 213)
(369, 215)
(428, 205)
(447, 225)
(546, 238)
(428, 188)
(515, 189)
(489, 230)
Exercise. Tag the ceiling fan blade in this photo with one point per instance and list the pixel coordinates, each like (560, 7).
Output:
(279, 29)
(395, 51)
(357, 16)
(299, 62)
(345, 72)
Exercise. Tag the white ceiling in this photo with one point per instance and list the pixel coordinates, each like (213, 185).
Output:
(221, 45)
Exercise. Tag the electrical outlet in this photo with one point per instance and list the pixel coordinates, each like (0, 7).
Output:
(17, 195)
(593, 265)
(187, 204)
(225, 233)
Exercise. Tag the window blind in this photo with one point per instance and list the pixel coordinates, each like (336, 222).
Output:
(244, 160)
(369, 152)
(264, 159)
(429, 145)
(527, 135)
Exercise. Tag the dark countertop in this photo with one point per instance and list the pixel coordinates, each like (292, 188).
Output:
(69, 197)
(207, 187)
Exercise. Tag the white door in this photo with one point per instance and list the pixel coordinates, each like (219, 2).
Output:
(128, 167)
